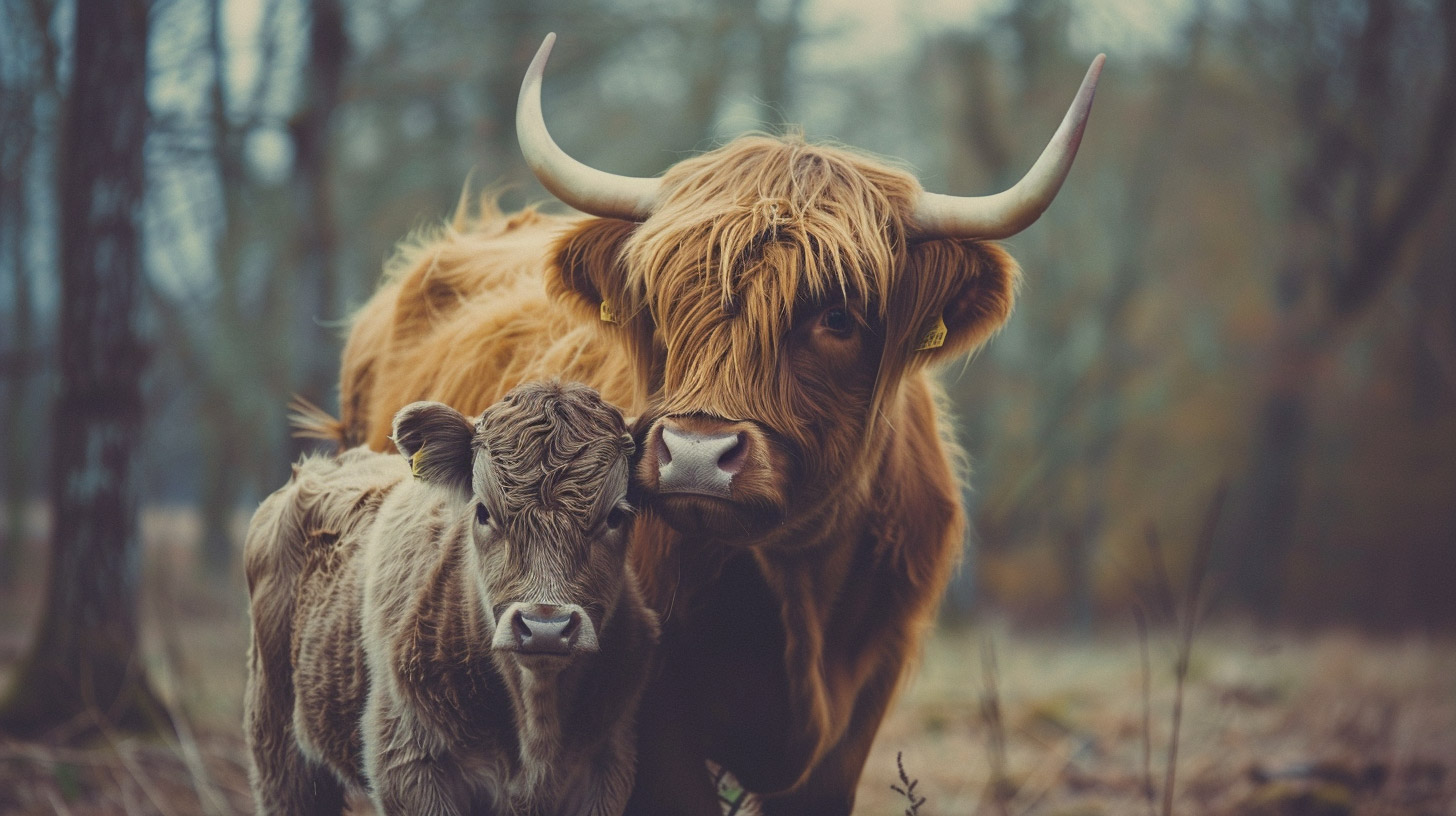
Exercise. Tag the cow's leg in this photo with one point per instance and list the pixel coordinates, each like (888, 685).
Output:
(671, 773)
(405, 776)
(283, 780)
(829, 789)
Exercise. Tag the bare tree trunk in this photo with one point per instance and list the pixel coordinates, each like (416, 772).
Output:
(709, 72)
(14, 229)
(83, 668)
(776, 41)
(316, 371)
(225, 426)
(29, 74)
(222, 463)
(1266, 528)
(244, 344)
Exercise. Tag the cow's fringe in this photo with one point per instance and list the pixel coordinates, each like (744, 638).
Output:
(312, 422)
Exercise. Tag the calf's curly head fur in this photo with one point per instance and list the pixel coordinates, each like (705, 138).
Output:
(546, 468)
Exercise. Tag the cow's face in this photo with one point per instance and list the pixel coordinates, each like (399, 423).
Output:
(542, 479)
(772, 305)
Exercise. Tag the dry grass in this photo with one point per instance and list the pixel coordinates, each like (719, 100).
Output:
(1331, 723)
(1269, 722)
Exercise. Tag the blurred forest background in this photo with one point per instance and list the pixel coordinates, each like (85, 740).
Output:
(1247, 279)
(1248, 276)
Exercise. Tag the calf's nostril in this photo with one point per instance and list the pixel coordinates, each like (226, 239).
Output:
(520, 627)
(569, 630)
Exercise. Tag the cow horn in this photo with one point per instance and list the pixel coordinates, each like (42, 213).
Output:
(585, 188)
(1007, 213)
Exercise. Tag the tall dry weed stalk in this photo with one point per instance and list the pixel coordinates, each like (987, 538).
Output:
(999, 789)
(1165, 605)
(1186, 619)
(1150, 790)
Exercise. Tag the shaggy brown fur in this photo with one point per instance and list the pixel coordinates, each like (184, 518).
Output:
(382, 657)
(791, 611)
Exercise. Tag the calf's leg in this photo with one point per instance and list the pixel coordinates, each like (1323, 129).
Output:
(608, 781)
(405, 776)
(283, 780)
(287, 784)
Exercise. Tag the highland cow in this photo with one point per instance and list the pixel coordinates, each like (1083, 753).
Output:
(773, 312)
(455, 630)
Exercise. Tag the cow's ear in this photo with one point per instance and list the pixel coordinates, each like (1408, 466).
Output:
(588, 271)
(435, 438)
(953, 296)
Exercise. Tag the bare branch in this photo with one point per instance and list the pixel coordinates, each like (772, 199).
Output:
(1381, 242)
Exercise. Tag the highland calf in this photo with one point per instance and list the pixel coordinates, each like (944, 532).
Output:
(453, 631)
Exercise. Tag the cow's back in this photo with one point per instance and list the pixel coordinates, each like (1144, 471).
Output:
(462, 318)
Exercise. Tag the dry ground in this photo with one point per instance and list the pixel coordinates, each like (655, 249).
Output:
(1331, 723)
(1327, 724)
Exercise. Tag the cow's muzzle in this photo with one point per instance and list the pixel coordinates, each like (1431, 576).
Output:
(714, 477)
(701, 456)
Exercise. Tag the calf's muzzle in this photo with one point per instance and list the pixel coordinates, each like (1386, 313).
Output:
(545, 629)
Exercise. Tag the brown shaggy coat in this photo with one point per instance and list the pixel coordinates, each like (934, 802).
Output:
(788, 623)
(376, 661)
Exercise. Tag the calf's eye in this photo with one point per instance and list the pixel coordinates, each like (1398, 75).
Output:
(482, 516)
(616, 518)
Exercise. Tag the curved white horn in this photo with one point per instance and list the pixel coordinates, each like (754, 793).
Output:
(585, 188)
(1007, 213)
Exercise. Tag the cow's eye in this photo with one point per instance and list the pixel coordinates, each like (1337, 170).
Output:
(837, 321)
(616, 518)
(482, 515)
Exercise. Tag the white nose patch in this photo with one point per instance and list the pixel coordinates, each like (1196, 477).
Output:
(692, 463)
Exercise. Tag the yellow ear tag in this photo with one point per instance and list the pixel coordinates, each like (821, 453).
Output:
(935, 337)
(606, 313)
(415, 461)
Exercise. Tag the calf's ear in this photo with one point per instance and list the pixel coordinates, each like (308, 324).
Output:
(954, 295)
(435, 438)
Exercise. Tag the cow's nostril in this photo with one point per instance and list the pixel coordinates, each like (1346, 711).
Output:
(733, 459)
(569, 630)
(520, 627)
(664, 456)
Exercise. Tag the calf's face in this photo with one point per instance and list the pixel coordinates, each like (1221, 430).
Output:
(542, 478)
